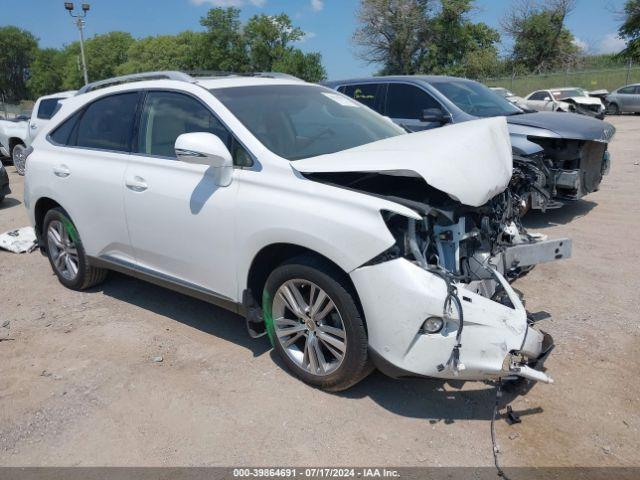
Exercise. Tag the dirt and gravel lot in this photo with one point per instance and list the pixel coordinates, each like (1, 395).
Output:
(79, 384)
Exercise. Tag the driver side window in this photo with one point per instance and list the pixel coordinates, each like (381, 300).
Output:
(167, 115)
(408, 101)
(540, 96)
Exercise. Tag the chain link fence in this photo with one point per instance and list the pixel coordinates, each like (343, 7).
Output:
(608, 79)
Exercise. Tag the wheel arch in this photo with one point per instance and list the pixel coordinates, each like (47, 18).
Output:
(42, 206)
(13, 141)
(275, 254)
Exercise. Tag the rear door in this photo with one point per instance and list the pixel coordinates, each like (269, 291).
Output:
(87, 171)
(182, 225)
(405, 105)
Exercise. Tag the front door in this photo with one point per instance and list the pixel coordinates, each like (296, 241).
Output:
(181, 224)
(406, 104)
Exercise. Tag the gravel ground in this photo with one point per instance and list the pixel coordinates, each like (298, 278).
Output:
(81, 381)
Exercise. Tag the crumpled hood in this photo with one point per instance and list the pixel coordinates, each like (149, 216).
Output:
(567, 125)
(584, 100)
(470, 161)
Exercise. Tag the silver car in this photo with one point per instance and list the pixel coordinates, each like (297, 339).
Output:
(625, 99)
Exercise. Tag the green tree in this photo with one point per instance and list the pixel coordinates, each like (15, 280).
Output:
(630, 29)
(17, 49)
(46, 72)
(541, 40)
(269, 39)
(163, 52)
(395, 34)
(222, 47)
(461, 47)
(307, 66)
(425, 36)
(104, 54)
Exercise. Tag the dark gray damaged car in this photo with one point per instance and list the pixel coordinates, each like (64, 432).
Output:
(567, 152)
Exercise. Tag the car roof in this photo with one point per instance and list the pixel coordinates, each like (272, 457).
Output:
(398, 78)
(239, 81)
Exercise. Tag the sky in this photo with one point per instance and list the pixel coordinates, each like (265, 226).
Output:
(329, 24)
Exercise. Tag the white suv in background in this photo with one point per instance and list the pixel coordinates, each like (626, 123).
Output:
(348, 241)
(15, 141)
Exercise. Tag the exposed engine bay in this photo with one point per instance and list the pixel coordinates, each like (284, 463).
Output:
(467, 242)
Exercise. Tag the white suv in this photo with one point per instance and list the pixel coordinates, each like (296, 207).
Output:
(351, 242)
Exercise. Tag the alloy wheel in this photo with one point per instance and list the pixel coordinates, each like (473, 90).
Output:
(63, 250)
(18, 157)
(309, 327)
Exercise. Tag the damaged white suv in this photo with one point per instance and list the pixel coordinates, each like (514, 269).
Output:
(351, 242)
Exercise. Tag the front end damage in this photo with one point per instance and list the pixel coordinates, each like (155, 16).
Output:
(569, 152)
(438, 302)
(453, 268)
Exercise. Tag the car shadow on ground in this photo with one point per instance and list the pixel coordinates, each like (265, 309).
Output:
(411, 397)
(9, 202)
(184, 309)
(439, 400)
(561, 216)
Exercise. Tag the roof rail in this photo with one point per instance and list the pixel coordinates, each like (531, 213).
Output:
(136, 77)
(216, 74)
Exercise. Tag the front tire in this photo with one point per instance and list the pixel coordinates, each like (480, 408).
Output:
(315, 325)
(66, 253)
(613, 109)
(18, 157)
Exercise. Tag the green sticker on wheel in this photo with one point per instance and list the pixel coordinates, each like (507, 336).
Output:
(268, 316)
(71, 230)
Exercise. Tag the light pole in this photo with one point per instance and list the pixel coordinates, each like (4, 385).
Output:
(80, 24)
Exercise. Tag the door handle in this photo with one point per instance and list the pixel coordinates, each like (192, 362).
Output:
(33, 126)
(136, 184)
(61, 171)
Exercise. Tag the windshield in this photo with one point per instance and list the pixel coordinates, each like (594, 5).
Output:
(574, 92)
(302, 121)
(476, 99)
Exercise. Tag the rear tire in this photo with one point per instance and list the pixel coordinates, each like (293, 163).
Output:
(66, 253)
(17, 155)
(325, 344)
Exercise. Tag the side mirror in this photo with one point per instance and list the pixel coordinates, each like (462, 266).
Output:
(203, 148)
(435, 115)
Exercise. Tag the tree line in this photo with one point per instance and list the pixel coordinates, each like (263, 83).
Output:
(262, 44)
(439, 37)
(399, 36)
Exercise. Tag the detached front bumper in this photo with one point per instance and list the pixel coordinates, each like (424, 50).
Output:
(398, 296)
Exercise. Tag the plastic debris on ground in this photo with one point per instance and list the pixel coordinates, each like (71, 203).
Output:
(20, 240)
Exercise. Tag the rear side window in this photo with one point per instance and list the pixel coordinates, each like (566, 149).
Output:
(47, 108)
(62, 134)
(539, 96)
(408, 101)
(107, 124)
(367, 94)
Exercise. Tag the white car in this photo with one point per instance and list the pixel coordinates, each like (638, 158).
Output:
(16, 136)
(351, 242)
(575, 100)
(510, 96)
